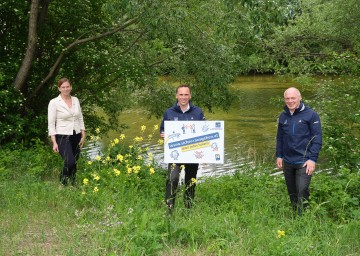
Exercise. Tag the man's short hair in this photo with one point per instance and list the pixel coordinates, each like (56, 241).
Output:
(183, 85)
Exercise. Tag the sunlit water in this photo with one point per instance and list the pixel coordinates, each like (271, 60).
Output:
(250, 126)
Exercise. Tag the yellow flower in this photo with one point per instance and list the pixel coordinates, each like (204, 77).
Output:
(152, 170)
(280, 233)
(98, 158)
(89, 163)
(156, 127)
(83, 193)
(96, 189)
(96, 177)
(150, 136)
(143, 128)
(85, 181)
(112, 144)
(116, 141)
(129, 170)
(92, 138)
(131, 146)
(136, 168)
(139, 157)
(138, 139)
(160, 141)
(97, 130)
(122, 136)
(193, 181)
(120, 157)
(107, 158)
(117, 172)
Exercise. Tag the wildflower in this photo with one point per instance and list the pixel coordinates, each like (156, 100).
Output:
(136, 168)
(85, 181)
(280, 233)
(92, 138)
(97, 130)
(122, 136)
(116, 141)
(83, 193)
(129, 170)
(112, 144)
(96, 177)
(96, 189)
(117, 172)
(152, 170)
(120, 157)
(138, 139)
(143, 128)
(98, 158)
(107, 158)
(89, 163)
(156, 127)
(160, 141)
(193, 181)
(131, 146)
(130, 210)
(139, 157)
(150, 136)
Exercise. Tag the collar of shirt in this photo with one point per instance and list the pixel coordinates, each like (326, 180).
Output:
(187, 108)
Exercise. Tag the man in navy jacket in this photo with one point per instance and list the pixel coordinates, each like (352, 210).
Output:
(182, 110)
(298, 143)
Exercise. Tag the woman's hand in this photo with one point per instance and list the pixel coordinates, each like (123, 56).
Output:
(81, 143)
(55, 147)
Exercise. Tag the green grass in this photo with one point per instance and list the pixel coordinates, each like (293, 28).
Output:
(232, 215)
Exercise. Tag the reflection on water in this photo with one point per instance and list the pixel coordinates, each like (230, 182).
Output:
(250, 125)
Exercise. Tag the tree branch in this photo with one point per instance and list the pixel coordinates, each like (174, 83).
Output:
(77, 42)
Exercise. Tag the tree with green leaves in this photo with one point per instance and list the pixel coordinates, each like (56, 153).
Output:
(114, 52)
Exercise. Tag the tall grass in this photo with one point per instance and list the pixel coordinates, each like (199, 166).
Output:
(247, 213)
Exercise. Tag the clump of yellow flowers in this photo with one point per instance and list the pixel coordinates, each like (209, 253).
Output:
(120, 162)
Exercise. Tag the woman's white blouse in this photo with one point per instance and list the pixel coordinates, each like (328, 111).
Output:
(64, 120)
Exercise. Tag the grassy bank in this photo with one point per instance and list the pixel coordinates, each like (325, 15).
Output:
(244, 214)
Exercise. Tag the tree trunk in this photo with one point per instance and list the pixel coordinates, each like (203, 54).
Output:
(24, 70)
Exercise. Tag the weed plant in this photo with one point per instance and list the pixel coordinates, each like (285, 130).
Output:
(117, 208)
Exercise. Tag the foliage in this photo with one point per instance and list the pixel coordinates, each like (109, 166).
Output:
(320, 40)
(122, 168)
(115, 57)
(338, 103)
(248, 213)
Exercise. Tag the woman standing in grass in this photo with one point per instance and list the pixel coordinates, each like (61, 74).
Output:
(66, 129)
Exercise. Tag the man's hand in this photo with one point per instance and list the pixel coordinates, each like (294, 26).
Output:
(279, 163)
(310, 167)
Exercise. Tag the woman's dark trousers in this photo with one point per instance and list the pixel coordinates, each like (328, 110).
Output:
(69, 150)
(297, 182)
(172, 182)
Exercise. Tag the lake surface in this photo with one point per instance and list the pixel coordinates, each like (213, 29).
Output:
(250, 124)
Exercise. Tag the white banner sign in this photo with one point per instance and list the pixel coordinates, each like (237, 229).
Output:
(194, 142)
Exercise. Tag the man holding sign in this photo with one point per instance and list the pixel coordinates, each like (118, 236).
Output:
(182, 110)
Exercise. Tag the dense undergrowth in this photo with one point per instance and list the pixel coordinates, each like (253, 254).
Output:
(117, 209)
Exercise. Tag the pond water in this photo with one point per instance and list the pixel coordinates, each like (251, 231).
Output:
(250, 125)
